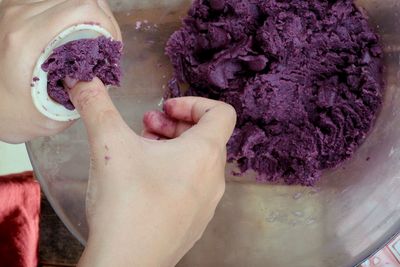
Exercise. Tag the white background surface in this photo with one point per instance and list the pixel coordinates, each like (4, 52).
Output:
(13, 159)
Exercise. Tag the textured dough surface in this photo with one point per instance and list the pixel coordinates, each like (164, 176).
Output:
(305, 78)
(82, 60)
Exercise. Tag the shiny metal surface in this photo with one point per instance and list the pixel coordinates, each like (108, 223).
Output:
(352, 212)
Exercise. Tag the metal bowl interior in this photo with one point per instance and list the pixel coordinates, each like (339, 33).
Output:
(352, 212)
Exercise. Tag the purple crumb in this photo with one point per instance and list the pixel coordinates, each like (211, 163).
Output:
(35, 79)
(305, 78)
(82, 60)
(107, 159)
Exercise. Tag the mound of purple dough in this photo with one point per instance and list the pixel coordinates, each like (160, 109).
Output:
(82, 60)
(305, 78)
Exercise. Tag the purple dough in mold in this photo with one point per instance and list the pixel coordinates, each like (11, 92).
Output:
(305, 78)
(82, 60)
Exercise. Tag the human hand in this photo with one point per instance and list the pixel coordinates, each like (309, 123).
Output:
(26, 28)
(150, 200)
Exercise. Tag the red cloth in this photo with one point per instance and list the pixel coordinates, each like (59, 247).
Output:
(19, 220)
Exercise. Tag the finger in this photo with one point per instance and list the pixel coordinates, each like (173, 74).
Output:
(21, 2)
(159, 123)
(152, 136)
(69, 82)
(214, 120)
(98, 112)
(107, 10)
(26, 9)
(68, 13)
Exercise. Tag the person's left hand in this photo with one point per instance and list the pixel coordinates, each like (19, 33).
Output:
(26, 28)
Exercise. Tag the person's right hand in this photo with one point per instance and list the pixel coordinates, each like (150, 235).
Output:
(26, 28)
(150, 199)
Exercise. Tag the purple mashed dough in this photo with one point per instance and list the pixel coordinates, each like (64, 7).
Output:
(82, 60)
(305, 78)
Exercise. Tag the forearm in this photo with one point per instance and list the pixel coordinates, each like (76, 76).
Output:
(6, 131)
(111, 244)
(105, 253)
(11, 130)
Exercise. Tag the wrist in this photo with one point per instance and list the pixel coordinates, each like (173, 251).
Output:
(115, 242)
(102, 251)
(10, 130)
(4, 121)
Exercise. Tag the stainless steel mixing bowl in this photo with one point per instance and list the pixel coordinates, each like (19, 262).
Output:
(351, 213)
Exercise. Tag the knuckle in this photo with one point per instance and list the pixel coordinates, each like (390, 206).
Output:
(208, 155)
(109, 116)
(88, 96)
(230, 112)
(84, 7)
(208, 147)
(84, 3)
(104, 6)
(8, 13)
(187, 189)
(95, 12)
(214, 147)
(12, 38)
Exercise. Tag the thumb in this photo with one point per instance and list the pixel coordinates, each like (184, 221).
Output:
(98, 112)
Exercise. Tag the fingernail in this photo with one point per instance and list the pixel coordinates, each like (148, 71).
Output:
(70, 82)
